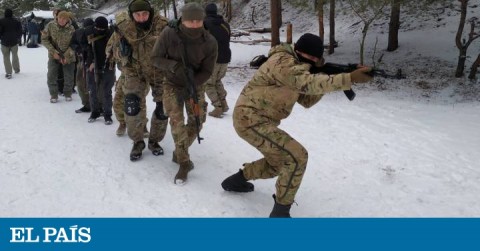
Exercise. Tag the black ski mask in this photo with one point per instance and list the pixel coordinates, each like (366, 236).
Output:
(311, 45)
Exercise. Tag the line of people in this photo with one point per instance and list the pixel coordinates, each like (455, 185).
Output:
(152, 53)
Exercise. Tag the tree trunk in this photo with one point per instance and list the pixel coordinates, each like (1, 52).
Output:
(174, 6)
(394, 26)
(321, 26)
(331, 47)
(458, 40)
(165, 7)
(229, 10)
(275, 22)
(473, 70)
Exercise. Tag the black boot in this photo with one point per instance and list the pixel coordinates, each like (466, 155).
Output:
(279, 210)
(137, 149)
(155, 148)
(237, 183)
(93, 116)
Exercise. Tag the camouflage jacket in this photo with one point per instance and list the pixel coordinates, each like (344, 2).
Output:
(278, 84)
(141, 42)
(57, 39)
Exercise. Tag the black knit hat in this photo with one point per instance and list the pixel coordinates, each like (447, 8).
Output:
(211, 8)
(139, 5)
(101, 22)
(8, 13)
(310, 44)
(87, 22)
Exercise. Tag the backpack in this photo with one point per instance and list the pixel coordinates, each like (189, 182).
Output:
(258, 61)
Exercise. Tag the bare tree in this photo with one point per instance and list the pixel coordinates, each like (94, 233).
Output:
(174, 6)
(394, 25)
(331, 47)
(368, 11)
(321, 27)
(274, 9)
(473, 70)
(463, 44)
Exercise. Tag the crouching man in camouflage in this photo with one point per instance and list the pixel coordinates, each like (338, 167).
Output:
(187, 42)
(283, 80)
(137, 36)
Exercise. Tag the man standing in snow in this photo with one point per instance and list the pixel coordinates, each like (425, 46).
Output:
(101, 76)
(185, 47)
(137, 36)
(10, 34)
(283, 80)
(214, 89)
(56, 38)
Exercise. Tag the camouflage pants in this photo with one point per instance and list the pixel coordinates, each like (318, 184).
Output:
(283, 157)
(119, 100)
(214, 86)
(138, 84)
(53, 68)
(82, 84)
(174, 101)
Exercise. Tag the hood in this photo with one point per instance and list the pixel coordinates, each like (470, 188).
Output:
(214, 18)
(283, 47)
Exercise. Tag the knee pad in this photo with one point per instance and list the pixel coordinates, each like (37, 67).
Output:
(132, 104)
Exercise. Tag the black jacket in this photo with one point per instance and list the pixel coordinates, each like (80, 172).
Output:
(221, 31)
(96, 50)
(10, 30)
(79, 41)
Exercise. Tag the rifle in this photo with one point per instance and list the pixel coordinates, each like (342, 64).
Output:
(192, 91)
(332, 68)
(125, 47)
(55, 46)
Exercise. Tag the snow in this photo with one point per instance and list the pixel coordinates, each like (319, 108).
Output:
(395, 151)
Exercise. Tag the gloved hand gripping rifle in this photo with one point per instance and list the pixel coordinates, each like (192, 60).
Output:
(192, 90)
(332, 68)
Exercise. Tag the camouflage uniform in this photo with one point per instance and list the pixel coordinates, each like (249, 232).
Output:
(140, 75)
(268, 98)
(56, 36)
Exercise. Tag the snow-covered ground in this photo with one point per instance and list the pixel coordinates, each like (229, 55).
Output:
(399, 152)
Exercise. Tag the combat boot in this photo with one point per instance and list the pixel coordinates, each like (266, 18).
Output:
(237, 183)
(279, 210)
(155, 148)
(217, 112)
(182, 174)
(93, 116)
(224, 105)
(122, 128)
(146, 134)
(137, 149)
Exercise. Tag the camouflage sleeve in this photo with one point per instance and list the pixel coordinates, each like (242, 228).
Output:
(109, 47)
(46, 38)
(308, 101)
(208, 64)
(297, 76)
(159, 54)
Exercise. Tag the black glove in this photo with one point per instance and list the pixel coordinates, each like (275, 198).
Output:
(159, 113)
(125, 48)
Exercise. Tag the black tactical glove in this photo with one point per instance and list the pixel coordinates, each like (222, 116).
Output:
(159, 113)
(125, 48)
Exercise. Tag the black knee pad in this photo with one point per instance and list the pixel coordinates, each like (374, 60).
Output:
(132, 104)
